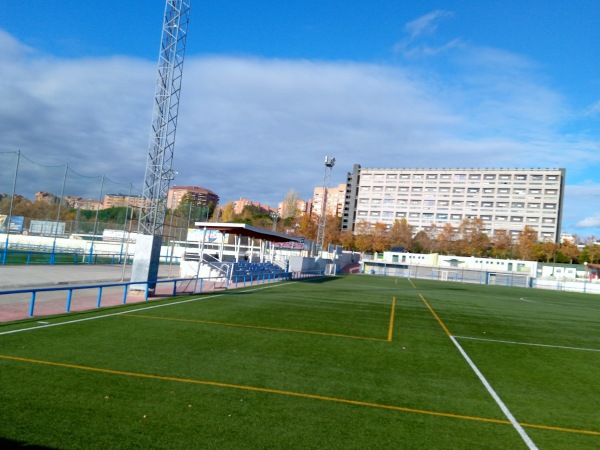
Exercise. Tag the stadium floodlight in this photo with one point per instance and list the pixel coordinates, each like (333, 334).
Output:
(329, 163)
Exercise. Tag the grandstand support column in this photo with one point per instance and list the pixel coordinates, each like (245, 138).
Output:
(200, 256)
(238, 246)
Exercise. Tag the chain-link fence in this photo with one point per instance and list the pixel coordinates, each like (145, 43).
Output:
(447, 274)
(58, 202)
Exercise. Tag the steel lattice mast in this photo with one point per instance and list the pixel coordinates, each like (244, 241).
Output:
(159, 171)
(329, 162)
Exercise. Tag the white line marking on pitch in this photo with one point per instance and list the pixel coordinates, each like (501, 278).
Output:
(530, 444)
(529, 343)
(134, 310)
(581, 308)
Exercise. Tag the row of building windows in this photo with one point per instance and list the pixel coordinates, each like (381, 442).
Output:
(444, 216)
(460, 190)
(460, 176)
(455, 203)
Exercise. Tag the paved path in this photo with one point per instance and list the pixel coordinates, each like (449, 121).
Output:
(34, 276)
(18, 306)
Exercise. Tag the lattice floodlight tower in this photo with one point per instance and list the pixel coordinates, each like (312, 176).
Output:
(159, 171)
(329, 163)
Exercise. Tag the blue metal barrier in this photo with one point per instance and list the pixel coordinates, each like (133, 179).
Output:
(100, 287)
(100, 293)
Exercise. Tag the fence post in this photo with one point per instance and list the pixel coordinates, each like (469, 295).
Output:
(69, 297)
(99, 297)
(32, 304)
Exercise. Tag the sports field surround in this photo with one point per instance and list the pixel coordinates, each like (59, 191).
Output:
(348, 362)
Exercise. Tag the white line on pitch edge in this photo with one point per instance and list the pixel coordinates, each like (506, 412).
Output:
(529, 343)
(530, 444)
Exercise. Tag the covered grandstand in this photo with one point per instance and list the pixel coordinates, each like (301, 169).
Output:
(233, 250)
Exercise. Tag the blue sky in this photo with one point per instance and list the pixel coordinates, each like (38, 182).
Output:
(270, 89)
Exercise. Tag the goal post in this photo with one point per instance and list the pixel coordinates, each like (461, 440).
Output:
(508, 279)
(330, 270)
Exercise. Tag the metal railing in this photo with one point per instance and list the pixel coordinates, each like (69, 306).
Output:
(114, 294)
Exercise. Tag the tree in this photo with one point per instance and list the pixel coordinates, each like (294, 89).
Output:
(546, 250)
(332, 230)
(501, 245)
(227, 214)
(568, 252)
(290, 204)
(400, 234)
(446, 239)
(347, 240)
(363, 238)
(381, 240)
(421, 243)
(591, 251)
(473, 240)
(307, 227)
(432, 234)
(526, 244)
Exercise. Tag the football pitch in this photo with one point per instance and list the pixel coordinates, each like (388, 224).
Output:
(346, 362)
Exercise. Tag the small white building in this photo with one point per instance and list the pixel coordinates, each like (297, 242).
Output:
(458, 262)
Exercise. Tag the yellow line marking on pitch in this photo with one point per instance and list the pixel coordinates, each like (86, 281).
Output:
(257, 327)
(566, 430)
(436, 316)
(290, 393)
(391, 328)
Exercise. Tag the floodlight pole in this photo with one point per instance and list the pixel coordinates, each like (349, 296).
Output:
(159, 162)
(329, 163)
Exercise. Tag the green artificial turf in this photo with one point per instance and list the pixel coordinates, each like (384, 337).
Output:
(339, 362)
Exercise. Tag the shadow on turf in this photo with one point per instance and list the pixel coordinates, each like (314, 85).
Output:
(8, 444)
(318, 280)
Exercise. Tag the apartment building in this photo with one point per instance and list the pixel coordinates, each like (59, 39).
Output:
(336, 197)
(239, 205)
(199, 196)
(124, 201)
(83, 203)
(302, 207)
(505, 199)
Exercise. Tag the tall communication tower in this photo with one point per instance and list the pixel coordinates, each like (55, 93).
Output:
(159, 173)
(329, 163)
(164, 117)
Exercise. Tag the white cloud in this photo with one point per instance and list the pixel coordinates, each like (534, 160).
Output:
(582, 208)
(422, 29)
(427, 24)
(593, 109)
(257, 128)
(589, 222)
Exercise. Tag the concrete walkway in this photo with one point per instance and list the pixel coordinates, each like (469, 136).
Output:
(18, 306)
(35, 276)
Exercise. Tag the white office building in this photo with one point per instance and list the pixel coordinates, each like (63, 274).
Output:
(505, 199)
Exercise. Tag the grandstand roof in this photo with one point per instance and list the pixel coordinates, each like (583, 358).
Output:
(243, 229)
